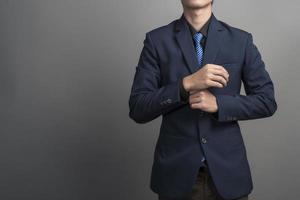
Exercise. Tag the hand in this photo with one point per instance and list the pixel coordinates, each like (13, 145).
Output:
(209, 75)
(204, 100)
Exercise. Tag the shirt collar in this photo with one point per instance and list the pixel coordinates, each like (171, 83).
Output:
(203, 30)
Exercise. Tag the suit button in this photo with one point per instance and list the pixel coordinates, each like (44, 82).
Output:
(169, 100)
(204, 140)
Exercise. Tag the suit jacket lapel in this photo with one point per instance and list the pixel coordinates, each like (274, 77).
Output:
(185, 42)
(213, 41)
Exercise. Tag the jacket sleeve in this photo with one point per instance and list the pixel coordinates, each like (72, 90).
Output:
(259, 101)
(148, 98)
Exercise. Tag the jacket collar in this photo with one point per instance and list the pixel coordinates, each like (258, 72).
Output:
(184, 39)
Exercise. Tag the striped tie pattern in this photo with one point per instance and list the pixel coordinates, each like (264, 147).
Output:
(199, 50)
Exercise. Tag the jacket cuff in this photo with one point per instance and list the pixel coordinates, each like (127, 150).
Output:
(226, 105)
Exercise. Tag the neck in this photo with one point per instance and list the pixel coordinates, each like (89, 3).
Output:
(198, 17)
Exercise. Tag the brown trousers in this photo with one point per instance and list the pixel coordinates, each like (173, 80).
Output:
(203, 189)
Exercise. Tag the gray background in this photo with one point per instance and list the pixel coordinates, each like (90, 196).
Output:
(66, 69)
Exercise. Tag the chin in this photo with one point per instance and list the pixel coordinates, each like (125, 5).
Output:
(195, 4)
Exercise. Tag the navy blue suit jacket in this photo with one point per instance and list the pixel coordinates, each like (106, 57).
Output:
(185, 133)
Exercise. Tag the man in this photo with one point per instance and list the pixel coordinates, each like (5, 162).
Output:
(190, 73)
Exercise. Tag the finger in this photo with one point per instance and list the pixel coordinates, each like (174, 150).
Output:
(193, 92)
(222, 73)
(195, 100)
(196, 93)
(219, 79)
(195, 106)
(215, 84)
(219, 68)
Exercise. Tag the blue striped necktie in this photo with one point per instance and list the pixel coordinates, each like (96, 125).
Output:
(199, 50)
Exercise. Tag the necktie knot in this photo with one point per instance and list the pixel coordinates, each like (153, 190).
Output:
(197, 37)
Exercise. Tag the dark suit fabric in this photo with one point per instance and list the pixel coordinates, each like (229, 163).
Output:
(186, 134)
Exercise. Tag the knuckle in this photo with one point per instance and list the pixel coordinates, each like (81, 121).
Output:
(202, 106)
